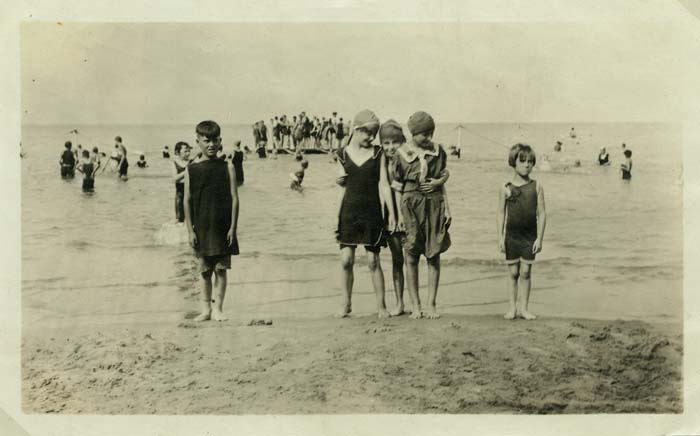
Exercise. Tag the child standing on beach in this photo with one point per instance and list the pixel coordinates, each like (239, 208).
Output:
(364, 182)
(211, 217)
(391, 137)
(521, 223)
(88, 168)
(419, 176)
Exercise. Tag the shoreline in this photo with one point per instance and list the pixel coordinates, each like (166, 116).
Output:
(457, 364)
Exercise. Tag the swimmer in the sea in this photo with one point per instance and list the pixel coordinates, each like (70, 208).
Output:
(298, 177)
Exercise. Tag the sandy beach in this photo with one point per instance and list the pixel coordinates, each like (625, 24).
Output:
(458, 364)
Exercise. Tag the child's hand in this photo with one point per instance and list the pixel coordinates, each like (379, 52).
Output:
(430, 185)
(193, 239)
(537, 246)
(340, 181)
(502, 245)
(392, 223)
(229, 236)
(448, 217)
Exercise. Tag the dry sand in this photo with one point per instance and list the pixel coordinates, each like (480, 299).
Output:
(457, 364)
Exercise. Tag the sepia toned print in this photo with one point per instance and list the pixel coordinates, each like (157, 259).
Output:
(350, 270)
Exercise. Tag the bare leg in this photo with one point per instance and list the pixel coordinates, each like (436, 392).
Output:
(412, 282)
(205, 297)
(218, 313)
(513, 274)
(375, 269)
(347, 279)
(397, 262)
(525, 284)
(433, 282)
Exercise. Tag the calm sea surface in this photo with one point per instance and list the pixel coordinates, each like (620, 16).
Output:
(612, 249)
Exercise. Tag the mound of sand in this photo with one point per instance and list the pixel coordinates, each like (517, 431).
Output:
(457, 364)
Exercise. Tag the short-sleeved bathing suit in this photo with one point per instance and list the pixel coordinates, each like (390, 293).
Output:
(360, 221)
(424, 214)
(521, 222)
(210, 203)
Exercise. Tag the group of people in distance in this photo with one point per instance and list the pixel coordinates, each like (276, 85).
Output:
(391, 194)
(87, 163)
(625, 167)
(299, 132)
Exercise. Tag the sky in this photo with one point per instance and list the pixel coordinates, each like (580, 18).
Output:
(530, 71)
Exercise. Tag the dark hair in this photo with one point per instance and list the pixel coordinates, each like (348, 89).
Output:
(208, 129)
(118, 138)
(165, 146)
(142, 157)
(179, 146)
(86, 153)
(628, 153)
(521, 150)
(95, 149)
(305, 164)
(68, 144)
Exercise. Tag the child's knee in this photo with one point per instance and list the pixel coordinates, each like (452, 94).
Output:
(514, 274)
(412, 260)
(373, 261)
(206, 275)
(347, 261)
(397, 261)
(525, 274)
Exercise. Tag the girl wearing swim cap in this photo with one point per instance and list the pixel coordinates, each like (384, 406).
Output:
(364, 186)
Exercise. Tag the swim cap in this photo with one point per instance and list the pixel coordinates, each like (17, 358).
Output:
(420, 122)
(392, 130)
(366, 119)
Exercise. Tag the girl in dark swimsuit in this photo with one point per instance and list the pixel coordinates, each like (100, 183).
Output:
(363, 177)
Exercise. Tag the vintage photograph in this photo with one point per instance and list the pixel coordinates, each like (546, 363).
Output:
(351, 218)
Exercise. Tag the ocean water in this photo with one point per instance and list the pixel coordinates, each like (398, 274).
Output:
(612, 249)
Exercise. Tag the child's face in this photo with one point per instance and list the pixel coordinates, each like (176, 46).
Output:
(524, 165)
(365, 137)
(208, 146)
(185, 152)
(390, 146)
(423, 139)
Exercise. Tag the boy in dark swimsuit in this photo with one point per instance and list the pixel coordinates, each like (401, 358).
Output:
(211, 217)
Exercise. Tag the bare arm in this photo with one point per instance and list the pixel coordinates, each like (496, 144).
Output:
(341, 182)
(541, 218)
(188, 211)
(385, 190)
(177, 176)
(501, 218)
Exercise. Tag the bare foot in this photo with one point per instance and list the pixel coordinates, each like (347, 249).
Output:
(398, 311)
(432, 313)
(510, 314)
(416, 314)
(344, 312)
(383, 313)
(204, 316)
(218, 315)
(524, 314)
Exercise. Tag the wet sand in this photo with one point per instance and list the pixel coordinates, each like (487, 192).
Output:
(458, 364)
